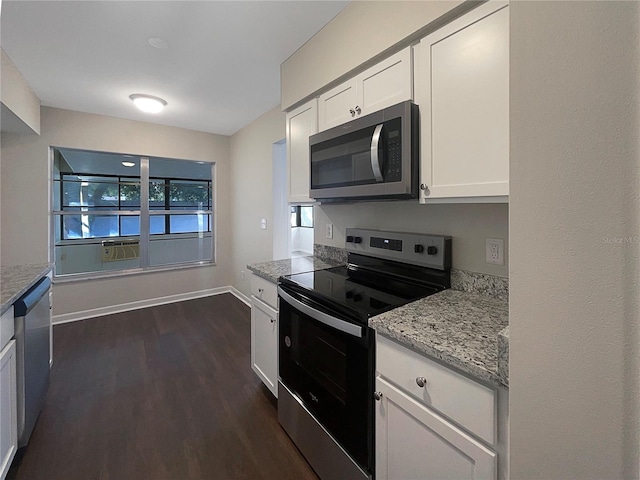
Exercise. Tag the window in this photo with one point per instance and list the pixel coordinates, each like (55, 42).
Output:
(118, 212)
(302, 216)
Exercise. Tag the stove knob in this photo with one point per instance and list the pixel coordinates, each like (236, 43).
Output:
(349, 293)
(357, 240)
(349, 238)
(357, 297)
(432, 250)
(418, 248)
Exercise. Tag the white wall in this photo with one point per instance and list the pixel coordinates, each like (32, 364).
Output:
(281, 224)
(25, 195)
(574, 240)
(251, 193)
(20, 106)
(468, 224)
(302, 240)
(362, 31)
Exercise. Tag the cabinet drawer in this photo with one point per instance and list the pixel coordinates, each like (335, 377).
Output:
(466, 402)
(265, 291)
(6, 327)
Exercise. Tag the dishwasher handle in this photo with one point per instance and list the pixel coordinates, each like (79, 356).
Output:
(33, 296)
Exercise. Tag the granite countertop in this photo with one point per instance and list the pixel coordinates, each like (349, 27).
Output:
(273, 270)
(459, 328)
(17, 279)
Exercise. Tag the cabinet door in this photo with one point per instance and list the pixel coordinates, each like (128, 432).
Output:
(264, 343)
(337, 106)
(386, 83)
(462, 87)
(413, 442)
(301, 123)
(8, 408)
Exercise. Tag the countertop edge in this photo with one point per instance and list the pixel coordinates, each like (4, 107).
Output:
(460, 366)
(37, 274)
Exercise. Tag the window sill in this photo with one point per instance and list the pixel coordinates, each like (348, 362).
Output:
(83, 277)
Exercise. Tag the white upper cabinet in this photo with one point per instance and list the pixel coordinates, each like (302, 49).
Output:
(385, 84)
(462, 88)
(301, 123)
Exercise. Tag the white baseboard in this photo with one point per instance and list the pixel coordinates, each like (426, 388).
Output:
(152, 302)
(240, 296)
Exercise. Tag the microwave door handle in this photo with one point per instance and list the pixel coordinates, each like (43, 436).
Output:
(375, 159)
(345, 327)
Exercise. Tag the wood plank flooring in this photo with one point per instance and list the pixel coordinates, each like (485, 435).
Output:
(161, 393)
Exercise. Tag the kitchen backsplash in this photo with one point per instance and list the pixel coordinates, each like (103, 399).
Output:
(327, 252)
(482, 283)
(490, 285)
(469, 225)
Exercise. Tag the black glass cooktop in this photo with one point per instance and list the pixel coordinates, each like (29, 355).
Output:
(366, 293)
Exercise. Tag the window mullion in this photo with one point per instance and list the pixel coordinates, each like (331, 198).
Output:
(167, 204)
(144, 212)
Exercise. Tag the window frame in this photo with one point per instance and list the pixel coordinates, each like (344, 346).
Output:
(143, 237)
(297, 209)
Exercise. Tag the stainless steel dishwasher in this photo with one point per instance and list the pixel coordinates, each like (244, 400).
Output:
(32, 333)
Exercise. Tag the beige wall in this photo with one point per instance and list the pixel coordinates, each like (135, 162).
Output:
(347, 42)
(16, 95)
(251, 193)
(468, 224)
(25, 196)
(574, 240)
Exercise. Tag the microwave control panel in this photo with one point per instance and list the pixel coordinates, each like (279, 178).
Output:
(394, 151)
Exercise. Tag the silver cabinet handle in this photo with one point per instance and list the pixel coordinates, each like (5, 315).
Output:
(377, 396)
(376, 162)
(346, 327)
(358, 110)
(352, 112)
(421, 381)
(423, 186)
(260, 290)
(272, 320)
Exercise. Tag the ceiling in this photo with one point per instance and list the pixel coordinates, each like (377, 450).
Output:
(220, 72)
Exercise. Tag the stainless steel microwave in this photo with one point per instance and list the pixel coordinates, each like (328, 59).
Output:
(370, 158)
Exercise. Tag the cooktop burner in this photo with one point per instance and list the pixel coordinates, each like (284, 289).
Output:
(367, 292)
(384, 270)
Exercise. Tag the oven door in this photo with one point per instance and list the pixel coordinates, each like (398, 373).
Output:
(327, 362)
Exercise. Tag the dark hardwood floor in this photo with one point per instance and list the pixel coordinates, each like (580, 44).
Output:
(161, 393)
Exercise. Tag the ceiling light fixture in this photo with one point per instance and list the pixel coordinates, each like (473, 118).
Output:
(148, 103)
(129, 164)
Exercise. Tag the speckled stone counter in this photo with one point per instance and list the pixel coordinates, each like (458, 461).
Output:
(459, 328)
(273, 270)
(503, 356)
(16, 280)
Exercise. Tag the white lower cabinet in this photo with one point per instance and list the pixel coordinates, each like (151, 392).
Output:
(432, 422)
(8, 408)
(264, 333)
(413, 442)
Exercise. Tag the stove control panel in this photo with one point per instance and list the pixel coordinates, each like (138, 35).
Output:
(433, 251)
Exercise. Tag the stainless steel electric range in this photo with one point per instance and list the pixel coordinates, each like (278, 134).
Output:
(327, 351)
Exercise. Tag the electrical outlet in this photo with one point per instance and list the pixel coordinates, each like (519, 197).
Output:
(263, 224)
(495, 251)
(329, 230)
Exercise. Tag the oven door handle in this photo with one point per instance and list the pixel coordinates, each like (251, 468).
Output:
(338, 324)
